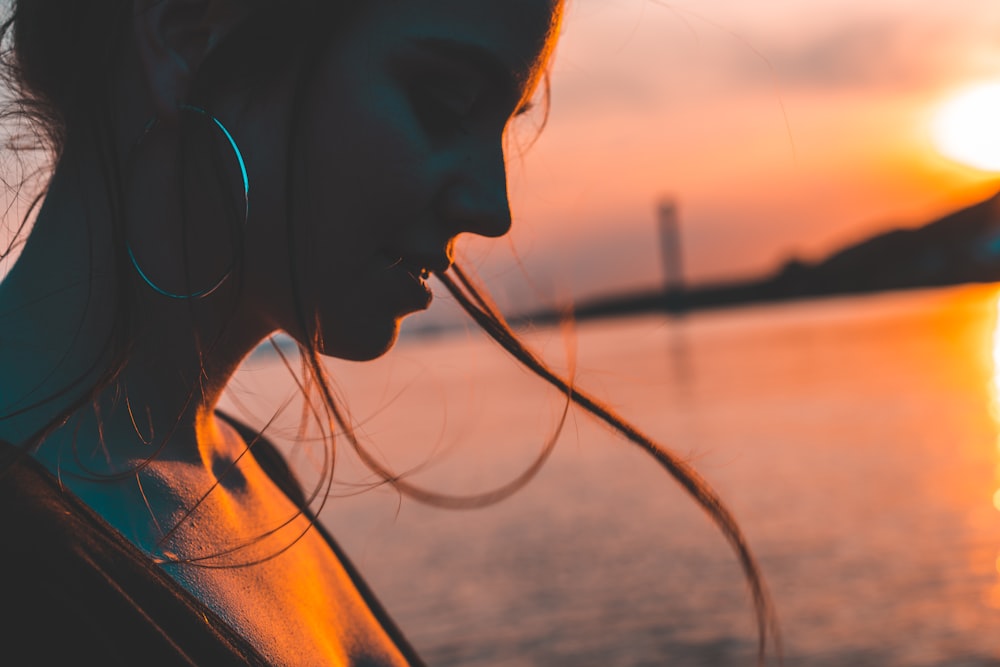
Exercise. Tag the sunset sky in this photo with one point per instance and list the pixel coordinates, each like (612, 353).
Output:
(780, 127)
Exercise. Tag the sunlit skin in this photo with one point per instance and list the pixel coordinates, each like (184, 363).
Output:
(966, 128)
(398, 150)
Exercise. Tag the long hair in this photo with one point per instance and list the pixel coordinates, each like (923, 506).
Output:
(54, 59)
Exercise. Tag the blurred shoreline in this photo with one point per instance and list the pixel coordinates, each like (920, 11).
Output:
(958, 248)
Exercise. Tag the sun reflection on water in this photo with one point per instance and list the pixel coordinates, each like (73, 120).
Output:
(994, 593)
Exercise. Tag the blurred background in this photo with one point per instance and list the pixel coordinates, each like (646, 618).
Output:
(779, 129)
(777, 223)
(855, 439)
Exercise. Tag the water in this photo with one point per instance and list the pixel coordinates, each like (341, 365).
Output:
(855, 439)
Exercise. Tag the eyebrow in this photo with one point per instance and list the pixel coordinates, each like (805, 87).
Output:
(483, 60)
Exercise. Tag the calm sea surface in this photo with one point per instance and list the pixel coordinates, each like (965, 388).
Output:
(855, 439)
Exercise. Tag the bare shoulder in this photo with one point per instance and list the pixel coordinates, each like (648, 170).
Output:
(261, 565)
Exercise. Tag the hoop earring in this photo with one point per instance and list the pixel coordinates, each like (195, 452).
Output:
(202, 293)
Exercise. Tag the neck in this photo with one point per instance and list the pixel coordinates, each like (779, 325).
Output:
(71, 312)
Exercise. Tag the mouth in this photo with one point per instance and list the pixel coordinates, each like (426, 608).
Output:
(420, 266)
(421, 275)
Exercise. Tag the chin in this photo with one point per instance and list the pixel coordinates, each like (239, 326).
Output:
(359, 343)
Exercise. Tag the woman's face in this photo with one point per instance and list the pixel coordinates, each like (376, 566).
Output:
(397, 150)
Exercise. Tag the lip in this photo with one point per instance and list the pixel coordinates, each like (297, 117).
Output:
(422, 293)
(419, 264)
(414, 270)
(425, 264)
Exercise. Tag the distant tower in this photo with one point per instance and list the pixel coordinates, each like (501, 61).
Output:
(670, 245)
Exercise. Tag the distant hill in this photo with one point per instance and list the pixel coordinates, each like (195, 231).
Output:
(961, 247)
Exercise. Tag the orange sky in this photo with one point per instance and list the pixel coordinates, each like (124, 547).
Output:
(780, 126)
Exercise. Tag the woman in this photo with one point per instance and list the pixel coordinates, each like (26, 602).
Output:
(226, 169)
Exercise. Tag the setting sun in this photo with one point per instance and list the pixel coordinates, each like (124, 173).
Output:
(967, 128)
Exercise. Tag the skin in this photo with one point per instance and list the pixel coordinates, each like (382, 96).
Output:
(398, 151)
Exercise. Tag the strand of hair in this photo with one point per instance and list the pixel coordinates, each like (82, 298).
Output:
(491, 321)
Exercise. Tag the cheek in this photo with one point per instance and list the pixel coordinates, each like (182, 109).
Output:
(363, 179)
(367, 176)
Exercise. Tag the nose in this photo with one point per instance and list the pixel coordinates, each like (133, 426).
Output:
(475, 199)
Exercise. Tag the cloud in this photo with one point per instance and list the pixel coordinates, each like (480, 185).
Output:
(666, 59)
(852, 56)
(889, 53)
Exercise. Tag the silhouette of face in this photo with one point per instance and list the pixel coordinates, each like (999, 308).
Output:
(399, 150)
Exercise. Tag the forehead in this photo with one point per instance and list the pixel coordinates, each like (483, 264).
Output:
(514, 32)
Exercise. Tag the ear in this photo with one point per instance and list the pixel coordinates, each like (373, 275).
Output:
(174, 37)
